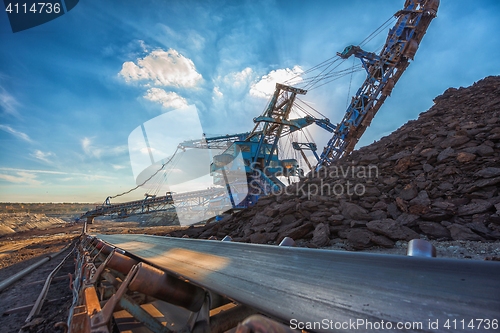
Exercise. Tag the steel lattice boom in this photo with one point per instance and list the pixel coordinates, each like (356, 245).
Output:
(155, 204)
(383, 71)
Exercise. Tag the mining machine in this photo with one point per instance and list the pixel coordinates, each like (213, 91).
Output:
(260, 147)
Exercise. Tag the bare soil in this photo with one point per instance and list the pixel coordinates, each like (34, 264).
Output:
(22, 249)
(20, 297)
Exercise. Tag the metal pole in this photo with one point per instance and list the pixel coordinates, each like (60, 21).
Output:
(43, 294)
(6, 283)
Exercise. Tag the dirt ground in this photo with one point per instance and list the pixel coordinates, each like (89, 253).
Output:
(18, 250)
(22, 249)
(25, 245)
(18, 299)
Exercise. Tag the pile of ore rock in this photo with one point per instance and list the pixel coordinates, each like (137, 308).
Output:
(436, 177)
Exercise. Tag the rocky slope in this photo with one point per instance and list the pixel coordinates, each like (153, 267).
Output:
(436, 177)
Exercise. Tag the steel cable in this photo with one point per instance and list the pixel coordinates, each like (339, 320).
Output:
(150, 177)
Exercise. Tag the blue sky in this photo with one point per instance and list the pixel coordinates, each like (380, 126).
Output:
(72, 90)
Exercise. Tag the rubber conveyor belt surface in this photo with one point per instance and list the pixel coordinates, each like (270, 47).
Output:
(311, 285)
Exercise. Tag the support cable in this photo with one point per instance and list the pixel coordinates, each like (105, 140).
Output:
(350, 83)
(312, 82)
(378, 30)
(157, 171)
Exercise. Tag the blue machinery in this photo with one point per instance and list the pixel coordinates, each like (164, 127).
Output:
(259, 148)
(383, 71)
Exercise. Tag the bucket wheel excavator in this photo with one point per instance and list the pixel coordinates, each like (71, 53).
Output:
(260, 148)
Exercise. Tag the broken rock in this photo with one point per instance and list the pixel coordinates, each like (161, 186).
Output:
(392, 229)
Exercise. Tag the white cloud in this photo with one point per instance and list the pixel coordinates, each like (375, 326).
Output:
(162, 68)
(240, 78)
(98, 151)
(36, 171)
(166, 99)
(217, 93)
(267, 84)
(67, 179)
(21, 177)
(7, 102)
(231, 101)
(196, 40)
(189, 39)
(43, 156)
(18, 134)
(149, 150)
(27, 176)
(86, 145)
(233, 85)
(143, 46)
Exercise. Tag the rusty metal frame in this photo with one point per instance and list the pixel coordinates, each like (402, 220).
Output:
(124, 275)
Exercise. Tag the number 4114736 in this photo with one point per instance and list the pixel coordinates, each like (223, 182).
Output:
(35, 8)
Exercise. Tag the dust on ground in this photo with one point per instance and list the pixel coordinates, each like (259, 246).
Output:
(27, 244)
(22, 249)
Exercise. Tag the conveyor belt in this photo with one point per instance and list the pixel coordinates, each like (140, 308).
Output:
(310, 285)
